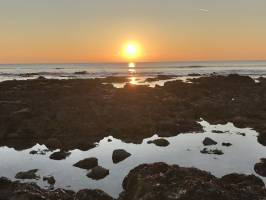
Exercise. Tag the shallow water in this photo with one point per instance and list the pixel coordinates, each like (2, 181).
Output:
(183, 150)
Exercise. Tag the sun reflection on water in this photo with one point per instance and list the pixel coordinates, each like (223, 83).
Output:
(133, 80)
(132, 72)
(131, 65)
(131, 68)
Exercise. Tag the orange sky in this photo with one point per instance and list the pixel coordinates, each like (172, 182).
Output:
(36, 31)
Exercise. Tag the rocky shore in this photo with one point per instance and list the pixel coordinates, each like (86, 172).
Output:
(74, 114)
(152, 182)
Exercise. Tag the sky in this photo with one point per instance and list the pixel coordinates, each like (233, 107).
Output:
(73, 31)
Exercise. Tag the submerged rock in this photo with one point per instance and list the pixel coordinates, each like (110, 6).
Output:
(243, 134)
(39, 152)
(260, 168)
(31, 174)
(87, 163)
(168, 182)
(217, 131)
(49, 179)
(208, 141)
(60, 155)
(227, 144)
(159, 142)
(98, 173)
(211, 151)
(120, 155)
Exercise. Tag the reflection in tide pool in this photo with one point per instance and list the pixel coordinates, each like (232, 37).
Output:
(183, 150)
(133, 80)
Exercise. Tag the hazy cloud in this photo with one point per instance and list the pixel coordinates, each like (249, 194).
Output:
(203, 10)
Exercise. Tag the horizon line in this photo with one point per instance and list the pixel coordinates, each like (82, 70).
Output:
(122, 62)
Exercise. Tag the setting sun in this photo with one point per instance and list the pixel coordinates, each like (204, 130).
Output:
(131, 51)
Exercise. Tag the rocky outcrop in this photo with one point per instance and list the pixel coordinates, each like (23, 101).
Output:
(159, 142)
(208, 141)
(226, 144)
(50, 179)
(92, 195)
(260, 168)
(60, 155)
(30, 191)
(119, 155)
(87, 163)
(70, 114)
(98, 173)
(31, 174)
(161, 181)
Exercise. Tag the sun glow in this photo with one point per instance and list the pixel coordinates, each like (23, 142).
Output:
(131, 51)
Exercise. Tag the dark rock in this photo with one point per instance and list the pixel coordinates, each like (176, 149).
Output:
(70, 110)
(31, 191)
(217, 131)
(208, 141)
(114, 79)
(31, 174)
(194, 74)
(92, 195)
(25, 112)
(81, 72)
(98, 173)
(41, 78)
(227, 144)
(60, 155)
(242, 179)
(211, 151)
(109, 140)
(260, 168)
(53, 143)
(33, 152)
(39, 152)
(49, 179)
(167, 128)
(87, 163)
(243, 134)
(161, 181)
(120, 155)
(159, 78)
(159, 142)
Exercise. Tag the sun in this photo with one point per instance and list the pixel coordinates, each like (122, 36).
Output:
(131, 51)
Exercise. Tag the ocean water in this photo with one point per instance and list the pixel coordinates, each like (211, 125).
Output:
(67, 71)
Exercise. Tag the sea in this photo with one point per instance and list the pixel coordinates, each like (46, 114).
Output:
(138, 69)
